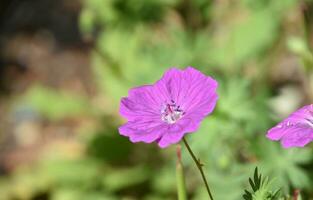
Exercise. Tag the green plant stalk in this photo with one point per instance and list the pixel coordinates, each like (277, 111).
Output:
(180, 178)
(199, 165)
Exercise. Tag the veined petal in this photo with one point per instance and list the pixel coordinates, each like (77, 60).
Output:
(277, 132)
(142, 131)
(191, 89)
(201, 96)
(296, 130)
(140, 103)
(173, 135)
(300, 116)
(297, 136)
(177, 131)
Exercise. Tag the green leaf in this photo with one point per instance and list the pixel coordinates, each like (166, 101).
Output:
(261, 188)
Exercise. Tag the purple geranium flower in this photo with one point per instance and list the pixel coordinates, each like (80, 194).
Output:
(296, 130)
(165, 111)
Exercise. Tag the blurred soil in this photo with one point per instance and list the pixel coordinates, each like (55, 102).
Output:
(40, 43)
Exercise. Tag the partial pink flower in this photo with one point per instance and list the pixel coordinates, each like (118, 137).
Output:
(167, 110)
(296, 130)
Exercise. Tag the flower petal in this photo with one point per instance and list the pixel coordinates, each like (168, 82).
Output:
(277, 132)
(140, 103)
(142, 131)
(172, 136)
(191, 89)
(202, 95)
(300, 116)
(296, 130)
(176, 132)
(297, 136)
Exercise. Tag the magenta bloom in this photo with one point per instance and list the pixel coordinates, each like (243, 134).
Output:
(167, 110)
(296, 130)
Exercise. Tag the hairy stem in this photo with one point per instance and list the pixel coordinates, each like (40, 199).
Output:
(199, 165)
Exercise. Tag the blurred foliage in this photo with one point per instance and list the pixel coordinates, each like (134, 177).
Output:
(236, 42)
(56, 105)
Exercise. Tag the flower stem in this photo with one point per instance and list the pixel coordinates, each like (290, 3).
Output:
(180, 178)
(199, 165)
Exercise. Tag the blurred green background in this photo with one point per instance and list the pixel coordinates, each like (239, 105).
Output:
(64, 65)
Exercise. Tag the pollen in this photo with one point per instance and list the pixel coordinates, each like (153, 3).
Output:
(171, 112)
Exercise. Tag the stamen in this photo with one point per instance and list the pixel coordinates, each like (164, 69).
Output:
(171, 113)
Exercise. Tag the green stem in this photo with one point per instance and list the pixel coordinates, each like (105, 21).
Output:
(199, 165)
(180, 178)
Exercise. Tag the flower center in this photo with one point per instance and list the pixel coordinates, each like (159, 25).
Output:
(171, 113)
